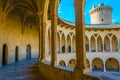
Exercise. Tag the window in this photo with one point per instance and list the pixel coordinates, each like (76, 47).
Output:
(102, 19)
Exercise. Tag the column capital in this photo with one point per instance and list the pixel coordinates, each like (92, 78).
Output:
(78, 3)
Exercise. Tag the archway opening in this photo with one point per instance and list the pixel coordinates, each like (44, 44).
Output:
(74, 44)
(107, 44)
(16, 53)
(93, 49)
(99, 42)
(114, 44)
(5, 54)
(63, 43)
(72, 63)
(68, 44)
(28, 52)
(62, 63)
(87, 43)
(97, 65)
(112, 65)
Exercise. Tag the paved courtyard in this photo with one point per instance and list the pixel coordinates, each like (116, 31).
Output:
(28, 70)
(23, 70)
(107, 75)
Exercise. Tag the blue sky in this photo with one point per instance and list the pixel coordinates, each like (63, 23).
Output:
(66, 9)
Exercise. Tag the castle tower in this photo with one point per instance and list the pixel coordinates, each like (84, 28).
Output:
(101, 14)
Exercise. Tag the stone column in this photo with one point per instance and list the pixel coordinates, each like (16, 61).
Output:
(39, 32)
(71, 44)
(103, 47)
(110, 44)
(96, 44)
(80, 36)
(104, 67)
(66, 47)
(118, 45)
(119, 66)
(42, 32)
(90, 66)
(60, 43)
(54, 7)
(89, 45)
(43, 40)
(81, 66)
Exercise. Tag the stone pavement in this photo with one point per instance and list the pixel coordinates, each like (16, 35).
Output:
(23, 70)
(106, 75)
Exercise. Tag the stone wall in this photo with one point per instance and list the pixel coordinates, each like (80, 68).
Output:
(50, 73)
(11, 34)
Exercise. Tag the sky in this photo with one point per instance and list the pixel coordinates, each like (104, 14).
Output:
(66, 9)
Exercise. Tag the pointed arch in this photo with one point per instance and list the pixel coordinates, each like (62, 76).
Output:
(99, 42)
(93, 44)
(63, 43)
(74, 44)
(106, 43)
(87, 43)
(114, 43)
(68, 43)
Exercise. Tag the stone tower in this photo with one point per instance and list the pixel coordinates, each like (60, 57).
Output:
(101, 14)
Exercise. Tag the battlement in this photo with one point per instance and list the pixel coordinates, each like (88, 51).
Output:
(100, 7)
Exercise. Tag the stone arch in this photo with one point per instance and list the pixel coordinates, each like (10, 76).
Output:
(16, 53)
(97, 64)
(114, 43)
(112, 64)
(68, 43)
(62, 63)
(46, 10)
(87, 43)
(28, 52)
(63, 43)
(5, 54)
(58, 42)
(74, 44)
(99, 42)
(106, 43)
(92, 44)
(72, 63)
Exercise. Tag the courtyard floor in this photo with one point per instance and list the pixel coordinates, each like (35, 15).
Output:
(28, 70)
(23, 70)
(106, 75)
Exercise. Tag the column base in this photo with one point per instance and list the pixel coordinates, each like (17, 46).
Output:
(86, 70)
(42, 60)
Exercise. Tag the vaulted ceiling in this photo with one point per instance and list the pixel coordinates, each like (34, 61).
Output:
(26, 10)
